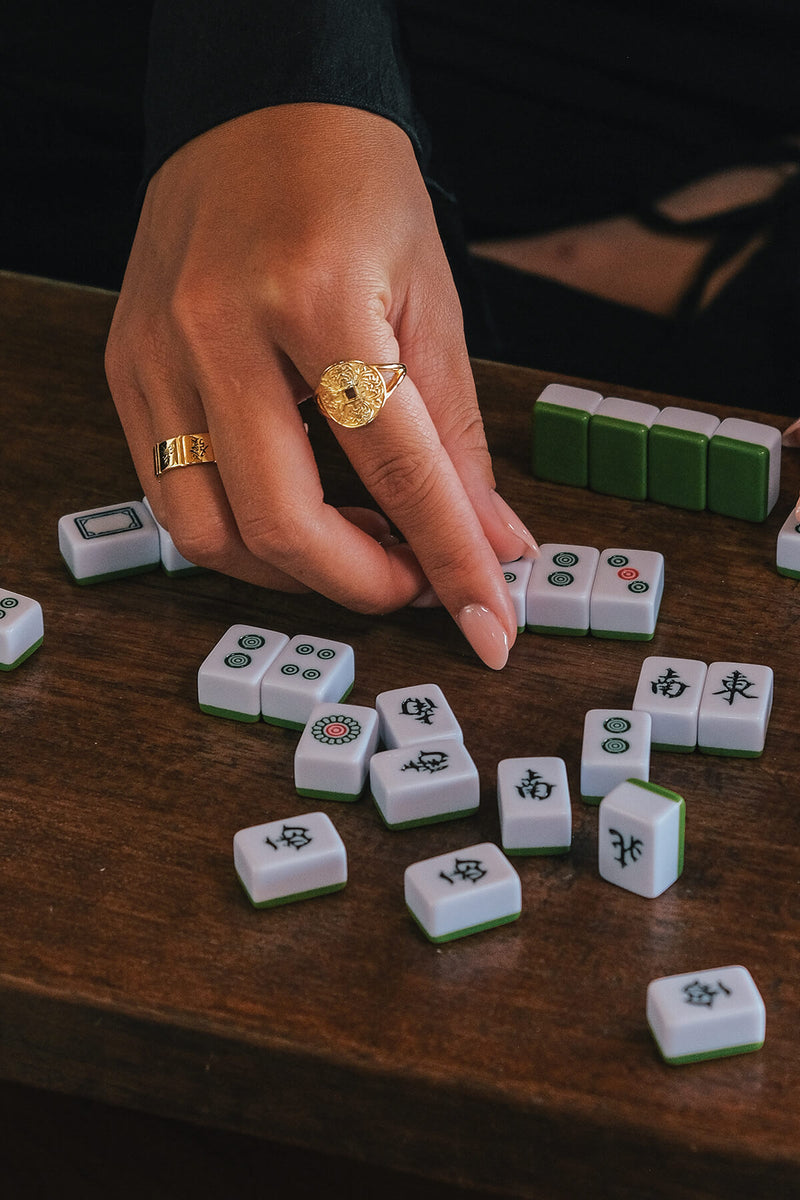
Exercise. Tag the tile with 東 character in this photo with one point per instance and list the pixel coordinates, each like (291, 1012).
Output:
(422, 784)
(735, 709)
(670, 690)
(744, 469)
(560, 433)
(296, 859)
(109, 543)
(308, 671)
(640, 837)
(534, 805)
(463, 892)
(706, 1014)
(415, 714)
(331, 760)
(21, 628)
(787, 550)
(618, 441)
(626, 594)
(558, 598)
(229, 678)
(616, 747)
(677, 457)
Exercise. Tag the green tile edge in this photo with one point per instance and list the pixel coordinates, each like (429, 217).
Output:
(319, 794)
(436, 819)
(530, 851)
(279, 900)
(788, 572)
(623, 637)
(284, 724)
(670, 748)
(706, 1055)
(557, 631)
(460, 933)
(727, 753)
(230, 713)
(111, 575)
(17, 662)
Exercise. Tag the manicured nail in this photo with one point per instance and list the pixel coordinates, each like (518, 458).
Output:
(485, 634)
(791, 436)
(512, 521)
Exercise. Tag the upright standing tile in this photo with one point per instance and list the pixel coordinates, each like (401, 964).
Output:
(308, 671)
(463, 892)
(670, 690)
(640, 837)
(618, 434)
(517, 574)
(616, 747)
(706, 1014)
(734, 709)
(229, 678)
(677, 457)
(99, 544)
(560, 588)
(626, 595)
(331, 761)
(21, 628)
(172, 560)
(424, 783)
(744, 469)
(560, 433)
(534, 806)
(787, 551)
(296, 859)
(409, 715)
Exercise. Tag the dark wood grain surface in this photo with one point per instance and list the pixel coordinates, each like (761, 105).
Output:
(134, 971)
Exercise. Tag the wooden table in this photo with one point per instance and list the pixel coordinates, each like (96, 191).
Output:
(133, 969)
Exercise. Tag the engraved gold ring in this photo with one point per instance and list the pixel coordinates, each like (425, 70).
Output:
(352, 393)
(185, 450)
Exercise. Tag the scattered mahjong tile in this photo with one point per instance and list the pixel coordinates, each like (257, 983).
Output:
(463, 892)
(517, 574)
(558, 595)
(308, 671)
(670, 690)
(616, 747)
(295, 859)
(640, 837)
(21, 628)
(172, 560)
(332, 757)
(425, 783)
(735, 709)
(415, 714)
(787, 551)
(534, 805)
(109, 543)
(706, 1014)
(229, 678)
(626, 594)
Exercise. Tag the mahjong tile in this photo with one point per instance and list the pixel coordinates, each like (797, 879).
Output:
(517, 574)
(534, 806)
(640, 837)
(618, 435)
(331, 761)
(677, 457)
(425, 783)
(626, 594)
(463, 892)
(308, 671)
(229, 679)
(706, 1014)
(616, 747)
(559, 589)
(21, 628)
(787, 550)
(172, 560)
(415, 714)
(560, 433)
(744, 469)
(295, 859)
(734, 709)
(108, 543)
(670, 690)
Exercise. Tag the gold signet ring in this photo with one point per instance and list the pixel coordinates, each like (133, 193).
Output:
(186, 450)
(353, 393)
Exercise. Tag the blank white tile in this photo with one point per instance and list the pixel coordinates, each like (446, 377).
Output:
(787, 550)
(734, 709)
(616, 747)
(21, 628)
(640, 837)
(463, 892)
(409, 715)
(670, 690)
(308, 671)
(229, 678)
(560, 588)
(331, 760)
(295, 859)
(108, 543)
(534, 805)
(706, 1014)
(431, 781)
(626, 595)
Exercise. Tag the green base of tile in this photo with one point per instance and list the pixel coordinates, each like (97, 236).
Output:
(184, 572)
(621, 636)
(418, 822)
(111, 575)
(706, 1055)
(282, 723)
(788, 572)
(319, 794)
(727, 753)
(529, 851)
(669, 748)
(557, 631)
(591, 799)
(460, 933)
(279, 900)
(230, 714)
(31, 650)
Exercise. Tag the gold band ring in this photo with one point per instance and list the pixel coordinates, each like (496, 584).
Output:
(352, 393)
(186, 450)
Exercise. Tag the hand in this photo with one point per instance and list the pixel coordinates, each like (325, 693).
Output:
(267, 249)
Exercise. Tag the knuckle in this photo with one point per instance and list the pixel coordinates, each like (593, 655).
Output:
(207, 545)
(278, 535)
(407, 480)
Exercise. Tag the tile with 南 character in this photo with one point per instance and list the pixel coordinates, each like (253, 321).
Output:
(534, 805)
(670, 690)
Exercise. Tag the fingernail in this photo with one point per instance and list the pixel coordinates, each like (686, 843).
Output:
(512, 521)
(485, 634)
(388, 540)
(426, 599)
(791, 436)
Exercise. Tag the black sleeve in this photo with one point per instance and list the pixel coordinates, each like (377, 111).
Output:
(212, 60)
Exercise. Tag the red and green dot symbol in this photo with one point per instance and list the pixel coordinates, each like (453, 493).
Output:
(336, 730)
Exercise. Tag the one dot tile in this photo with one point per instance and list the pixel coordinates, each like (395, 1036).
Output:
(744, 469)
(229, 678)
(331, 761)
(670, 690)
(109, 543)
(424, 784)
(409, 715)
(172, 560)
(640, 837)
(308, 671)
(463, 892)
(787, 551)
(517, 574)
(616, 747)
(558, 596)
(706, 1014)
(626, 594)
(534, 806)
(296, 859)
(21, 628)
(618, 436)
(560, 433)
(677, 457)
(734, 709)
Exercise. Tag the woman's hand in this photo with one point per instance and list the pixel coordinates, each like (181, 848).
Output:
(267, 249)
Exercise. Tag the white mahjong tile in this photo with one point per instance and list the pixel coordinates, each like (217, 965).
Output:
(295, 859)
(517, 574)
(706, 1014)
(670, 690)
(172, 560)
(534, 806)
(787, 550)
(559, 589)
(640, 837)
(229, 679)
(616, 746)
(415, 714)
(626, 595)
(108, 543)
(308, 671)
(734, 709)
(331, 761)
(21, 628)
(430, 781)
(463, 892)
